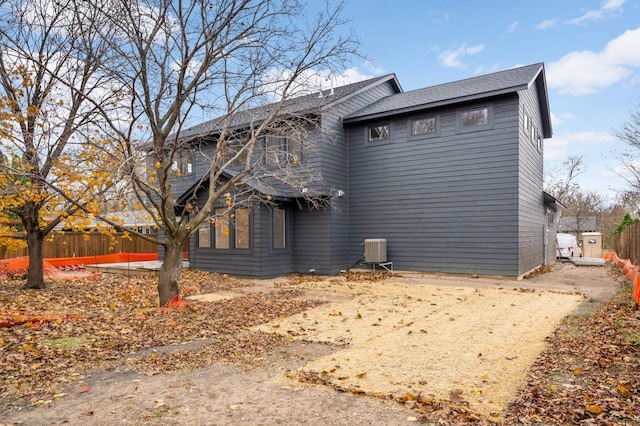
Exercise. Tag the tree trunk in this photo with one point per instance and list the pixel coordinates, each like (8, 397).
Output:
(35, 241)
(35, 276)
(170, 271)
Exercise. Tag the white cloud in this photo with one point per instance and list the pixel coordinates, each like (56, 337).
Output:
(585, 72)
(608, 8)
(486, 70)
(453, 58)
(560, 147)
(511, 28)
(313, 81)
(558, 119)
(547, 24)
(555, 149)
(592, 138)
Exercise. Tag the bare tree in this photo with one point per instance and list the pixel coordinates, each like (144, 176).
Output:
(561, 182)
(630, 166)
(49, 62)
(581, 205)
(227, 59)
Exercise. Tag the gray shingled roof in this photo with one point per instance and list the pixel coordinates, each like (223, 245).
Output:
(483, 86)
(301, 104)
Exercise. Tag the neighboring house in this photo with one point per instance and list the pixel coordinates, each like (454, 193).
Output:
(450, 175)
(577, 225)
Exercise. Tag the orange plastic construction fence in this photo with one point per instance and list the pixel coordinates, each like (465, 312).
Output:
(630, 271)
(54, 266)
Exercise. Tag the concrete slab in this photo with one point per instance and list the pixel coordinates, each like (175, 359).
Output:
(131, 269)
(587, 261)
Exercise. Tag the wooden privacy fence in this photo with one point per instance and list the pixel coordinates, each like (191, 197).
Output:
(75, 244)
(627, 243)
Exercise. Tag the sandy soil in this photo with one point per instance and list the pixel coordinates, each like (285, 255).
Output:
(413, 336)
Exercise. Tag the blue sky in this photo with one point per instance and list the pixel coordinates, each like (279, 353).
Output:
(591, 51)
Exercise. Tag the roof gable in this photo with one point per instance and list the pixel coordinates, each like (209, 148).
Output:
(475, 88)
(314, 102)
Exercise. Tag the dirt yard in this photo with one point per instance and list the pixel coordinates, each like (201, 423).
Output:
(412, 338)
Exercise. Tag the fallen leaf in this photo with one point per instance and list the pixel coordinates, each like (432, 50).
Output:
(623, 389)
(594, 409)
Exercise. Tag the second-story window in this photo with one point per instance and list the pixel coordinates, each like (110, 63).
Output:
(280, 150)
(234, 153)
(379, 133)
(182, 164)
(475, 117)
(423, 126)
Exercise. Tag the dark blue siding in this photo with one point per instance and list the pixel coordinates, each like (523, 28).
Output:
(447, 203)
(531, 213)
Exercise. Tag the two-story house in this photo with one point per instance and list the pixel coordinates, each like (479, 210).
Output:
(451, 176)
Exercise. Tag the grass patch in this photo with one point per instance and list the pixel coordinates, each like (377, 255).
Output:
(66, 342)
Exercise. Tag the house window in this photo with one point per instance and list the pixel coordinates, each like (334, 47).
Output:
(279, 228)
(232, 229)
(232, 148)
(540, 143)
(423, 126)
(182, 164)
(221, 229)
(204, 235)
(241, 217)
(282, 150)
(475, 117)
(379, 133)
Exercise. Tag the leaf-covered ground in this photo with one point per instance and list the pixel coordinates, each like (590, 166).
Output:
(53, 337)
(590, 373)
(51, 340)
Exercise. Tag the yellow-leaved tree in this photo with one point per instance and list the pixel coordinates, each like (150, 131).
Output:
(51, 100)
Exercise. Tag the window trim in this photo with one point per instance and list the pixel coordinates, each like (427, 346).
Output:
(206, 225)
(285, 229)
(539, 142)
(282, 155)
(183, 164)
(433, 134)
(232, 236)
(474, 127)
(367, 133)
(230, 152)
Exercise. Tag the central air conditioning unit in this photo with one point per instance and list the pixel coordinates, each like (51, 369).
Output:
(375, 250)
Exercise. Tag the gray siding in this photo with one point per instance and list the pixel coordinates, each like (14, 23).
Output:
(312, 241)
(180, 184)
(462, 200)
(446, 203)
(260, 260)
(532, 223)
(322, 236)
